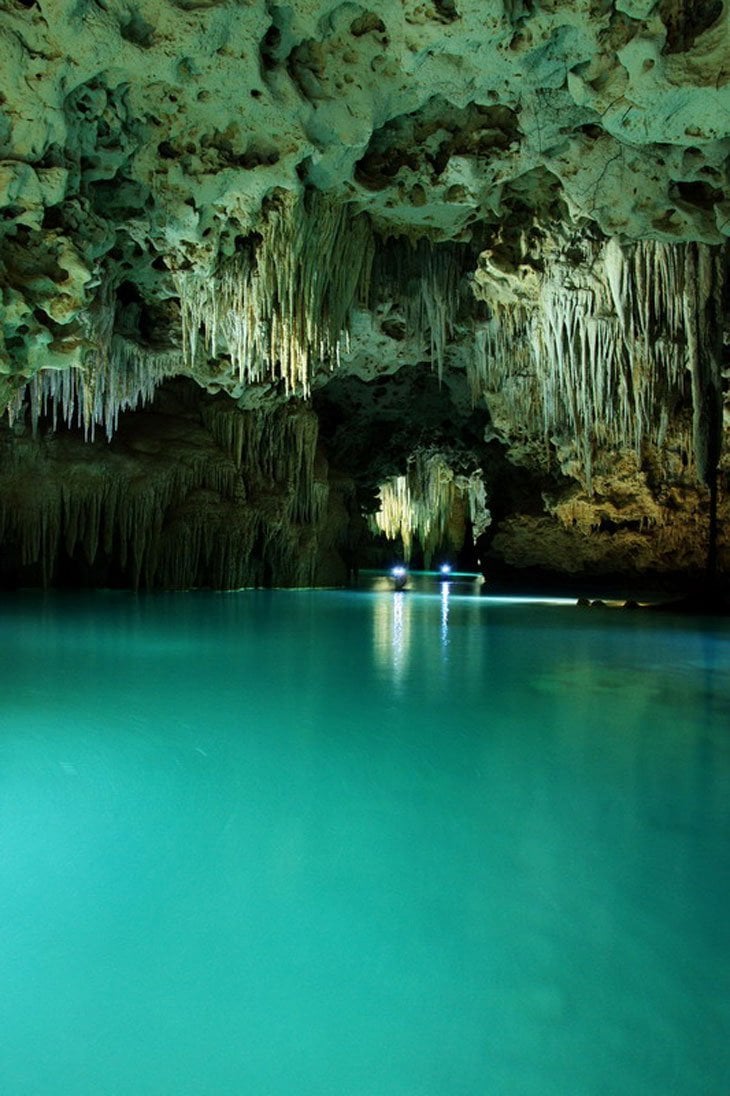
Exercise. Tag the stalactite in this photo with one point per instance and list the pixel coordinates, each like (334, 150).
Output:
(426, 282)
(604, 354)
(280, 307)
(236, 501)
(476, 494)
(119, 376)
(276, 446)
(421, 503)
(703, 324)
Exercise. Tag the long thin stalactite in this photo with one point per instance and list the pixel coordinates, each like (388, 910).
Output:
(607, 359)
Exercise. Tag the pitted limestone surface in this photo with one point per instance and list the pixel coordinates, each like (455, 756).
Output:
(531, 194)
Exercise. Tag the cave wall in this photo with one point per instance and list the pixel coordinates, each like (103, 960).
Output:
(191, 492)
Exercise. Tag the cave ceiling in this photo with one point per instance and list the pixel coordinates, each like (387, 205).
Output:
(175, 176)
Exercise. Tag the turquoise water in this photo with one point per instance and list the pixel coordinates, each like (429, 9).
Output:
(361, 844)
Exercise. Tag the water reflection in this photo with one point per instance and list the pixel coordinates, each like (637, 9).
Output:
(402, 621)
(392, 633)
(445, 589)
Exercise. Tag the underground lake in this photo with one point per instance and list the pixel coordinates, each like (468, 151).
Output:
(362, 843)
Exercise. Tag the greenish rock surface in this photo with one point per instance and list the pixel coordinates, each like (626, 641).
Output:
(491, 232)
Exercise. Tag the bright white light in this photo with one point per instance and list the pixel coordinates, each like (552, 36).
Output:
(529, 600)
(445, 568)
(398, 572)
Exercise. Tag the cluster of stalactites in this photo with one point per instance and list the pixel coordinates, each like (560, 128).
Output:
(118, 375)
(280, 306)
(176, 531)
(427, 282)
(243, 509)
(111, 511)
(430, 504)
(606, 353)
(274, 446)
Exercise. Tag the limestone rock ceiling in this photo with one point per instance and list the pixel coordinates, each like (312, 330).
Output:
(264, 197)
(139, 138)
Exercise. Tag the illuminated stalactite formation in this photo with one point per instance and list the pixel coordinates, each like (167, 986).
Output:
(605, 352)
(280, 306)
(430, 503)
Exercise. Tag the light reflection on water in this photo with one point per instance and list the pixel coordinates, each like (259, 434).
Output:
(371, 844)
(445, 588)
(391, 632)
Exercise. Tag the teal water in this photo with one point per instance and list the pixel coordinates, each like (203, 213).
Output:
(361, 844)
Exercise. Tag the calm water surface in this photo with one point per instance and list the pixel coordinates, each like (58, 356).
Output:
(361, 844)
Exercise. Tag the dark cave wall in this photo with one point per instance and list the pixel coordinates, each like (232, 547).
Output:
(190, 492)
(195, 492)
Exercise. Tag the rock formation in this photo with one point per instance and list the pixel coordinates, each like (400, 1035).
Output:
(458, 265)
